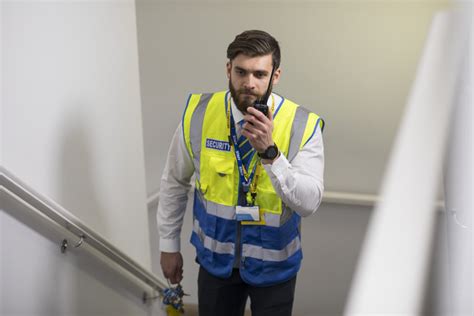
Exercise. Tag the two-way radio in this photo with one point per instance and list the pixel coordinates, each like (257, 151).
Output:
(261, 105)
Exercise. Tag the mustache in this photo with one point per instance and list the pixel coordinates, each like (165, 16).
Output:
(249, 92)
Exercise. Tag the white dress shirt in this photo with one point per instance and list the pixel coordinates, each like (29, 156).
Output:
(299, 184)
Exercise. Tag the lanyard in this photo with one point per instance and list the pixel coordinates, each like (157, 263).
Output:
(245, 178)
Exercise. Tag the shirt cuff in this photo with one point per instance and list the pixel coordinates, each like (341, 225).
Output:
(278, 167)
(170, 245)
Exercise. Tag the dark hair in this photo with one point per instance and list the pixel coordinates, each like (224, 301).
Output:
(255, 43)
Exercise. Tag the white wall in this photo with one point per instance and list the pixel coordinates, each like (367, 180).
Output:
(72, 129)
(459, 188)
(71, 121)
(1, 86)
(452, 288)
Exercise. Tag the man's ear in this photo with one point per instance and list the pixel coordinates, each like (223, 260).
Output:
(228, 69)
(276, 76)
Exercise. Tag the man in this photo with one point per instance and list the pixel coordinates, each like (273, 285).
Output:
(256, 176)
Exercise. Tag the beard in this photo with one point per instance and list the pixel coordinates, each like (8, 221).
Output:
(243, 98)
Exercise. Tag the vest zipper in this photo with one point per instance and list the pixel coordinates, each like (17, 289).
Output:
(238, 247)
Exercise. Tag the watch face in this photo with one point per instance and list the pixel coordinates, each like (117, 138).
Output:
(271, 152)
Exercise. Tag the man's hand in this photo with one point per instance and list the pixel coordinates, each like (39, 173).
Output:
(172, 266)
(258, 129)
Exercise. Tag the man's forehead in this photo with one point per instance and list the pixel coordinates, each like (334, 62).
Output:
(256, 63)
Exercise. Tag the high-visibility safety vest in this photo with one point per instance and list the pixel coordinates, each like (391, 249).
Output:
(269, 250)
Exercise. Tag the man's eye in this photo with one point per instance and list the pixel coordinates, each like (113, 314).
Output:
(240, 72)
(260, 75)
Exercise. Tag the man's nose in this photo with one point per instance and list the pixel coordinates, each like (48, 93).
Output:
(250, 82)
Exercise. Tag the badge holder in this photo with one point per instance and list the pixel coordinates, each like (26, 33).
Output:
(247, 213)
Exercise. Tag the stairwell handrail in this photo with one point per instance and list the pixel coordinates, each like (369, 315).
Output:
(17, 189)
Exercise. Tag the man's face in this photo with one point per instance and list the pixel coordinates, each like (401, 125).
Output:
(249, 78)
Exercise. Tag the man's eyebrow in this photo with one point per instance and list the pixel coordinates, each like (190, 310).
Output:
(261, 71)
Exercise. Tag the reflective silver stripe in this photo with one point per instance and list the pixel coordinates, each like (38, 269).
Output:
(218, 210)
(228, 212)
(265, 254)
(296, 138)
(196, 131)
(212, 244)
(271, 219)
(297, 131)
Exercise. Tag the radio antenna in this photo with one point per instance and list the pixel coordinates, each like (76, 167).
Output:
(267, 94)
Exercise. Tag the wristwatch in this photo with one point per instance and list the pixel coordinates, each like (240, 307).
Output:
(270, 153)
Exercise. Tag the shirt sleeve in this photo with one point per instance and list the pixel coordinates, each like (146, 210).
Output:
(173, 196)
(300, 183)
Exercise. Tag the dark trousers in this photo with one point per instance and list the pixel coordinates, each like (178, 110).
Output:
(227, 297)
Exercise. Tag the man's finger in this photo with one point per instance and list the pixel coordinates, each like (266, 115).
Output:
(173, 280)
(176, 277)
(253, 121)
(167, 272)
(259, 115)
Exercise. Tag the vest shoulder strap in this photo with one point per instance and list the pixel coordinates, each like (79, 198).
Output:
(303, 129)
(192, 119)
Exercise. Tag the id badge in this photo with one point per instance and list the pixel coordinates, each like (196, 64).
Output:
(247, 213)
